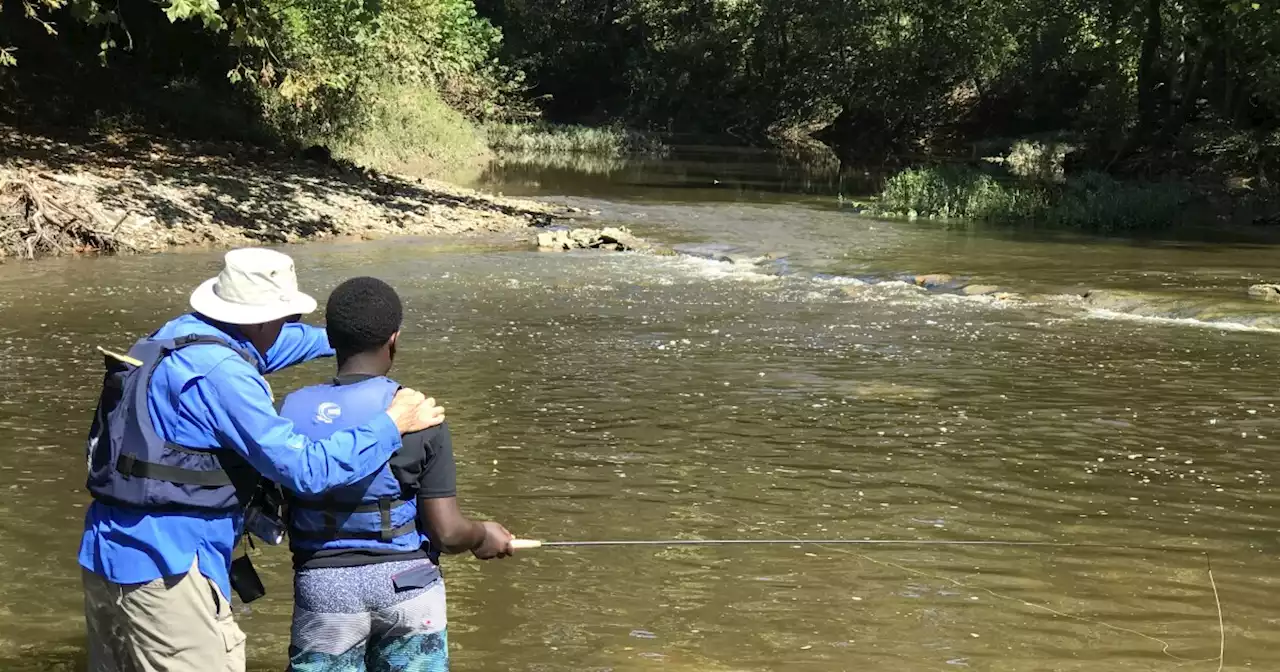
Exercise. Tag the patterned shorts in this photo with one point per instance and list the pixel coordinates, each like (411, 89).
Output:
(384, 617)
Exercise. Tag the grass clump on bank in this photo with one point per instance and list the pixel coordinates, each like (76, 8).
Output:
(412, 130)
(1087, 202)
(545, 137)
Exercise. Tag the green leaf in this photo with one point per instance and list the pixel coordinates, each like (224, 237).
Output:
(175, 10)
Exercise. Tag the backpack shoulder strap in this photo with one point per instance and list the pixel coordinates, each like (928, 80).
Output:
(204, 339)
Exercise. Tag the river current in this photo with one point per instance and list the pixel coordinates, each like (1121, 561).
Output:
(820, 394)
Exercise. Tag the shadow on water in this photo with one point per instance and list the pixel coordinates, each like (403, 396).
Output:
(1209, 238)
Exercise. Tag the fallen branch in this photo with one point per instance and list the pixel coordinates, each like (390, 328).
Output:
(38, 217)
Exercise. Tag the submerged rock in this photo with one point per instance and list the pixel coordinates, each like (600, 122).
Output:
(1265, 292)
(1182, 306)
(711, 251)
(979, 290)
(728, 254)
(933, 280)
(891, 391)
(1116, 300)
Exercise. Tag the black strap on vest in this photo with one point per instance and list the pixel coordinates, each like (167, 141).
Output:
(130, 465)
(386, 534)
(340, 507)
(331, 507)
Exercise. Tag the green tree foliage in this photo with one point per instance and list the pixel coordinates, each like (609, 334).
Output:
(318, 69)
(320, 65)
(900, 75)
(1127, 80)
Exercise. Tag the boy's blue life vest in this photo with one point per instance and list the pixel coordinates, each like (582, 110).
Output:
(131, 465)
(372, 514)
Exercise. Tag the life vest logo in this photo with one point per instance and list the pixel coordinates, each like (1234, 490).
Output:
(328, 412)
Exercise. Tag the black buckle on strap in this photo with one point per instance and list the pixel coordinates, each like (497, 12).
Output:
(126, 464)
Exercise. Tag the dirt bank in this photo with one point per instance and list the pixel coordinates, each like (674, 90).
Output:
(106, 193)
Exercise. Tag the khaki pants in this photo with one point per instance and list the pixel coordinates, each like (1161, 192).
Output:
(174, 624)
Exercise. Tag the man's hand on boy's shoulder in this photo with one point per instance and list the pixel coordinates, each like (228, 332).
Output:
(496, 544)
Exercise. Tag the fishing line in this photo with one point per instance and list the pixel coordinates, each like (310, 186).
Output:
(1165, 646)
(834, 545)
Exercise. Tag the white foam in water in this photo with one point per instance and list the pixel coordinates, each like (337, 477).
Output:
(893, 291)
(1103, 314)
(837, 280)
(718, 270)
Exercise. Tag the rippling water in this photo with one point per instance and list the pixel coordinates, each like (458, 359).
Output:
(636, 397)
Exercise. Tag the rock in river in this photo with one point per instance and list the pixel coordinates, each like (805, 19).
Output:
(609, 238)
(933, 280)
(1112, 299)
(1266, 292)
(979, 290)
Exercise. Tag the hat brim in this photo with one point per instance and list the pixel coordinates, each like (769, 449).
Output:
(209, 304)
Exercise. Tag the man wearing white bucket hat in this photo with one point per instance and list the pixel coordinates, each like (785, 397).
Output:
(184, 432)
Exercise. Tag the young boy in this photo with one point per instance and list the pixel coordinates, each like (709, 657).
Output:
(368, 594)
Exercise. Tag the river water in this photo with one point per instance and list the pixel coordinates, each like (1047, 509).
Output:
(627, 396)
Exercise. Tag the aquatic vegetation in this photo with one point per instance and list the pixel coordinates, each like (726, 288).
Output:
(1088, 202)
(951, 192)
(587, 164)
(543, 137)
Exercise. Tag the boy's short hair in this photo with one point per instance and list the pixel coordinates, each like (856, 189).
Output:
(361, 315)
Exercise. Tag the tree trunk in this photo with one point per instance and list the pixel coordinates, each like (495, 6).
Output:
(1192, 82)
(1148, 100)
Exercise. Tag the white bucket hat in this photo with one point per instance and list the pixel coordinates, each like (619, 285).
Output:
(256, 286)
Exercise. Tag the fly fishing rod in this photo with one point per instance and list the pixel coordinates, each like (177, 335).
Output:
(525, 544)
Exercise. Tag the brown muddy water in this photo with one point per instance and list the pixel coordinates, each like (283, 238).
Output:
(637, 397)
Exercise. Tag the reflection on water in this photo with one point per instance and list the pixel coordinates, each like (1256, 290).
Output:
(634, 397)
(686, 174)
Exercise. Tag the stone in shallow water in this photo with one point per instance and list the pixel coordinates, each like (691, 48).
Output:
(610, 238)
(931, 280)
(979, 290)
(1117, 300)
(547, 240)
(1266, 292)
